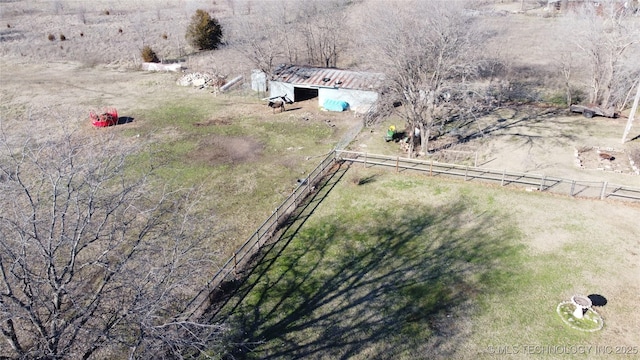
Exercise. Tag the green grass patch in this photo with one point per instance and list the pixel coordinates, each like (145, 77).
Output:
(374, 278)
(384, 266)
(410, 267)
(243, 166)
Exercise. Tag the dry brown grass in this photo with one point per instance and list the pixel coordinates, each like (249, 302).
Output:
(101, 31)
(50, 89)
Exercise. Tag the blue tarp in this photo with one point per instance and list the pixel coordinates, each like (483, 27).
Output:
(335, 105)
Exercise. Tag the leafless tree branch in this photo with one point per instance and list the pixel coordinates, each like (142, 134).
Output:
(95, 257)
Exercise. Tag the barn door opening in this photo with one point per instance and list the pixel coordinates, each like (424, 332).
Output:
(302, 94)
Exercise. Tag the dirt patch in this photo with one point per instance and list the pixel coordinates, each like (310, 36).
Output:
(218, 150)
(213, 122)
(605, 159)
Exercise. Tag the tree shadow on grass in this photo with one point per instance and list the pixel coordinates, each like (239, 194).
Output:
(525, 124)
(231, 294)
(392, 285)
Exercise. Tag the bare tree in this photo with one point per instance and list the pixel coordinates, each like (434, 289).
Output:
(275, 33)
(565, 67)
(264, 37)
(608, 39)
(95, 259)
(323, 26)
(428, 50)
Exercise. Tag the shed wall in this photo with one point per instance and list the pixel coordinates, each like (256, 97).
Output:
(277, 88)
(258, 81)
(359, 101)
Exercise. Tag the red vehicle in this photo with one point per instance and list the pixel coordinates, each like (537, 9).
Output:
(108, 118)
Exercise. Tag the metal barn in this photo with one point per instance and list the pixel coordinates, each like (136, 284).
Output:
(358, 89)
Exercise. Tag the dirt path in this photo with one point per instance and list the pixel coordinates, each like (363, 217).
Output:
(548, 144)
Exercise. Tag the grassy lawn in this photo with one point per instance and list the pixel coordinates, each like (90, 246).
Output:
(243, 159)
(381, 265)
(384, 265)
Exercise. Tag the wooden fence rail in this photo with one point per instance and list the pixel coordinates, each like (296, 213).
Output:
(537, 182)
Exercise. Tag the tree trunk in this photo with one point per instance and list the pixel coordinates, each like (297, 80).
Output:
(424, 139)
(411, 142)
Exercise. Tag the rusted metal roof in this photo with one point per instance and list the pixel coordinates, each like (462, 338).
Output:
(326, 77)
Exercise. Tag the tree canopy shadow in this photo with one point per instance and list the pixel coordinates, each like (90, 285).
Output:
(392, 285)
(533, 118)
(230, 294)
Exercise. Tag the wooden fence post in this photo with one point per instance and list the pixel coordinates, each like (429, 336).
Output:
(542, 183)
(235, 263)
(365, 160)
(573, 186)
(431, 168)
(397, 162)
(604, 190)
(504, 172)
(466, 170)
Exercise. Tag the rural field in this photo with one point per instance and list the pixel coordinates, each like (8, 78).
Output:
(403, 266)
(377, 263)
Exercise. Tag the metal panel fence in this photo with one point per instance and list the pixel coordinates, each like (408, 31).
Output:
(533, 182)
(262, 234)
